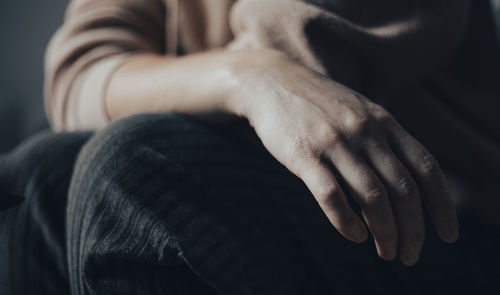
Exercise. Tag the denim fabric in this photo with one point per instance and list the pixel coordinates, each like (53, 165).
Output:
(164, 204)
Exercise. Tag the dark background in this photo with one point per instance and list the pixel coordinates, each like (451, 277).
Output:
(25, 28)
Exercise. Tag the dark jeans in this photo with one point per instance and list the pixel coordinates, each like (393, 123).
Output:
(163, 204)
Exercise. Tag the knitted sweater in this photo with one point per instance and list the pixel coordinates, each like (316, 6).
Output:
(433, 63)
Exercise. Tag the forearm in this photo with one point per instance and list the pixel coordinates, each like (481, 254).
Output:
(197, 84)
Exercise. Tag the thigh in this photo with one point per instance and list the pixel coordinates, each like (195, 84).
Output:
(32, 243)
(192, 200)
(228, 209)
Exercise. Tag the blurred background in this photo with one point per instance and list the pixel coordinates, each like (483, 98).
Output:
(25, 28)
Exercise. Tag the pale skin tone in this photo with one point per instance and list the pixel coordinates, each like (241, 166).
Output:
(317, 128)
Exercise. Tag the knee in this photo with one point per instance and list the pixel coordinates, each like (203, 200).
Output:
(116, 142)
(111, 169)
(116, 173)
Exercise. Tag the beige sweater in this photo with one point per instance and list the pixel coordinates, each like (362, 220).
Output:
(376, 47)
(97, 37)
(433, 63)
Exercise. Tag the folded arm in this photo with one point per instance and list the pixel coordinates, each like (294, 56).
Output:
(316, 127)
(96, 38)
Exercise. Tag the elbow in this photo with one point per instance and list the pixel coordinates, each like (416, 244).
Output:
(77, 70)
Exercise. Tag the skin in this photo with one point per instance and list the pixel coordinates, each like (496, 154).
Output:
(317, 128)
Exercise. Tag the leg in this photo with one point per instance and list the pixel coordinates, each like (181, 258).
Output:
(156, 199)
(168, 191)
(32, 235)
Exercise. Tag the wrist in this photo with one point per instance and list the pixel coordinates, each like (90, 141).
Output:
(248, 81)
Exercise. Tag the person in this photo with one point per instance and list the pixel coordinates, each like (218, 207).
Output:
(213, 149)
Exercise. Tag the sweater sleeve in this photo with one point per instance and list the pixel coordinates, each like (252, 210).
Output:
(96, 38)
(370, 46)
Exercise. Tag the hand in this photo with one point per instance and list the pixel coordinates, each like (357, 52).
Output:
(318, 128)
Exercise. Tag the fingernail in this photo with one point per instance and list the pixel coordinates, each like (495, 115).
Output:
(360, 235)
(410, 258)
(386, 253)
(450, 233)
(389, 254)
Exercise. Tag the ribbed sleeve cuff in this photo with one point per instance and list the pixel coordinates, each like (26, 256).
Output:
(91, 113)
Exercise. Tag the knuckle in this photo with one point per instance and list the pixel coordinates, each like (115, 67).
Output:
(386, 120)
(328, 136)
(357, 123)
(381, 113)
(328, 196)
(407, 189)
(428, 165)
(374, 196)
(325, 130)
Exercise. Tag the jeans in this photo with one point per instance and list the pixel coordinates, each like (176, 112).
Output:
(165, 204)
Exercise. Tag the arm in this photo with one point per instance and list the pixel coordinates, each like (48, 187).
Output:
(196, 84)
(309, 123)
(96, 38)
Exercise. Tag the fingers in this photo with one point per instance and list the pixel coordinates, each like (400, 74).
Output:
(405, 200)
(431, 182)
(372, 197)
(323, 185)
